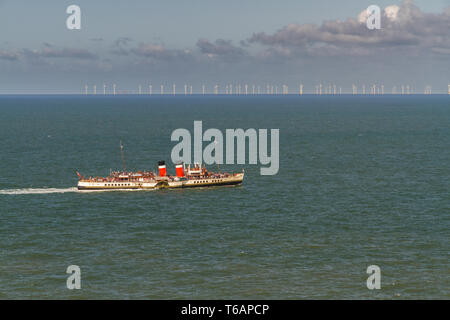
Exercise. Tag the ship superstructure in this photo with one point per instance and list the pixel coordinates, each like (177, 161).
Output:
(186, 177)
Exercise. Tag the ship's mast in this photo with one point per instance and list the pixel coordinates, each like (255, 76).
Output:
(123, 158)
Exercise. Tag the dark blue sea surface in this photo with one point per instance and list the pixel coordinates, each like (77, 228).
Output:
(363, 180)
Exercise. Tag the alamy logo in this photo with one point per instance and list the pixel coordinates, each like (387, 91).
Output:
(213, 152)
(374, 280)
(74, 20)
(373, 17)
(74, 280)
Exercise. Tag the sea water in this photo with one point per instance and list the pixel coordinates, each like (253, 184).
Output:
(363, 180)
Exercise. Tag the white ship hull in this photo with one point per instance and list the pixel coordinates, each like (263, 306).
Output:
(160, 184)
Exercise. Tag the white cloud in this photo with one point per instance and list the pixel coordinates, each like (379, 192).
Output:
(391, 12)
(405, 30)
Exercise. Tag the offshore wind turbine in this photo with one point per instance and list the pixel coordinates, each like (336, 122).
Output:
(95, 89)
(86, 89)
(174, 89)
(114, 89)
(150, 89)
(162, 89)
(104, 89)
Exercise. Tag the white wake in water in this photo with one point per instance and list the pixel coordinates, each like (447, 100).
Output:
(37, 190)
(65, 190)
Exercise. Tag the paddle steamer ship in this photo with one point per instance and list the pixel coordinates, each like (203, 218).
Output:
(186, 177)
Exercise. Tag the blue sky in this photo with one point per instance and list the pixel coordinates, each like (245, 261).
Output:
(177, 22)
(132, 42)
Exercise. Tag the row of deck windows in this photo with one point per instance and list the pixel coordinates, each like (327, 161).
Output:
(202, 181)
(128, 184)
